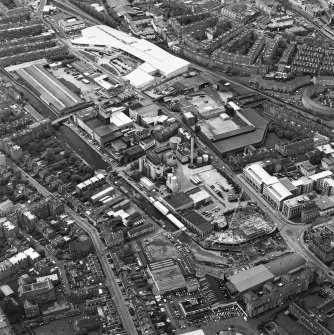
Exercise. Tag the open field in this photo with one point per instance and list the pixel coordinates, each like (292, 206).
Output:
(49, 88)
(59, 327)
(161, 248)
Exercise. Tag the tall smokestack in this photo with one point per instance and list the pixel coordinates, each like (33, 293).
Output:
(192, 150)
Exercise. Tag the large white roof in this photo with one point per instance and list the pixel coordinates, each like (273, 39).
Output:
(156, 57)
(321, 175)
(120, 119)
(279, 191)
(245, 280)
(139, 78)
(260, 174)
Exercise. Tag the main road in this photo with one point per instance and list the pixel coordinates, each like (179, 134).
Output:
(111, 283)
(290, 231)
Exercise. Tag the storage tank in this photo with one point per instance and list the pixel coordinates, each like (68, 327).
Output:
(199, 160)
(205, 158)
(174, 142)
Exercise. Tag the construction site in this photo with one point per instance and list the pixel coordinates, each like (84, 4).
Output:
(243, 225)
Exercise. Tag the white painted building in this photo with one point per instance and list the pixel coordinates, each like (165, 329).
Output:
(275, 194)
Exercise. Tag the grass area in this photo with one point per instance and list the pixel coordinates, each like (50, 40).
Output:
(272, 139)
(58, 327)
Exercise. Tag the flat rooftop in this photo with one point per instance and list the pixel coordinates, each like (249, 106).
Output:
(239, 141)
(49, 88)
(285, 264)
(198, 221)
(178, 199)
(246, 280)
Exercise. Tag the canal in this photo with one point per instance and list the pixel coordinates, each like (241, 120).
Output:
(66, 135)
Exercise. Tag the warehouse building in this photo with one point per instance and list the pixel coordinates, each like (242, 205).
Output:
(96, 197)
(141, 230)
(178, 201)
(147, 183)
(155, 60)
(102, 126)
(249, 279)
(196, 223)
(166, 276)
(200, 198)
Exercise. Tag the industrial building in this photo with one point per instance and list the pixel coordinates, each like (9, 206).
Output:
(249, 279)
(152, 165)
(166, 276)
(178, 201)
(106, 192)
(147, 183)
(141, 230)
(200, 198)
(155, 60)
(172, 183)
(236, 140)
(102, 126)
(193, 307)
(49, 88)
(196, 223)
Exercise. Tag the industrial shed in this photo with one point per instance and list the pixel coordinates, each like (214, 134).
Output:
(251, 278)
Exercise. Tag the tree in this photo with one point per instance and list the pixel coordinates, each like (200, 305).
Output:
(41, 252)
(50, 155)
(12, 310)
(76, 179)
(67, 175)
(67, 154)
(315, 157)
(73, 158)
(86, 176)
(197, 129)
(288, 135)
